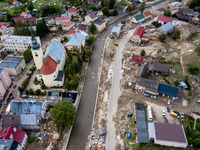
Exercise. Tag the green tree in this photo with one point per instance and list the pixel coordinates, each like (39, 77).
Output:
(192, 69)
(197, 49)
(162, 37)
(68, 70)
(73, 84)
(113, 12)
(92, 28)
(41, 28)
(111, 4)
(30, 5)
(105, 11)
(88, 53)
(90, 40)
(130, 7)
(176, 34)
(142, 53)
(38, 91)
(142, 7)
(63, 115)
(156, 24)
(167, 13)
(76, 66)
(27, 55)
(176, 82)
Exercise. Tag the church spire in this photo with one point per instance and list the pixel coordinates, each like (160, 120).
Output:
(35, 44)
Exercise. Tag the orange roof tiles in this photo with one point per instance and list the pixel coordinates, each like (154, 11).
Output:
(49, 66)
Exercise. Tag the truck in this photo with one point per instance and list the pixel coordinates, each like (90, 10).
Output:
(173, 114)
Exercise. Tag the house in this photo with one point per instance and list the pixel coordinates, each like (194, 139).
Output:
(72, 32)
(137, 35)
(72, 11)
(91, 17)
(182, 16)
(76, 40)
(187, 12)
(3, 26)
(166, 28)
(28, 107)
(25, 14)
(147, 14)
(30, 121)
(121, 9)
(163, 20)
(8, 144)
(135, 5)
(17, 3)
(62, 20)
(32, 21)
(10, 120)
(93, 1)
(17, 43)
(142, 71)
(115, 32)
(168, 134)
(100, 24)
(51, 20)
(148, 86)
(160, 68)
(83, 27)
(20, 18)
(183, 85)
(5, 82)
(13, 133)
(138, 18)
(8, 31)
(167, 90)
(13, 64)
(66, 15)
(54, 96)
(141, 123)
(68, 25)
(137, 59)
(50, 66)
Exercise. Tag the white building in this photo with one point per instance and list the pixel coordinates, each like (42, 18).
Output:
(61, 20)
(91, 17)
(68, 25)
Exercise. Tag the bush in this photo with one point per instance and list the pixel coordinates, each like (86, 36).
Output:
(176, 83)
(176, 34)
(192, 69)
(197, 49)
(156, 24)
(192, 35)
(36, 82)
(162, 37)
(123, 22)
(31, 139)
(142, 53)
(167, 13)
(38, 91)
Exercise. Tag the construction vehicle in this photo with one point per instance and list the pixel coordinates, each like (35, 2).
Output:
(173, 114)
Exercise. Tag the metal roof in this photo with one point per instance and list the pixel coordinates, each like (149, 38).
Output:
(117, 28)
(139, 17)
(29, 119)
(167, 27)
(151, 130)
(6, 144)
(18, 39)
(150, 85)
(11, 61)
(167, 90)
(99, 21)
(76, 39)
(55, 51)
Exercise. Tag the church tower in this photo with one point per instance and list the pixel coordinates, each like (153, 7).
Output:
(37, 52)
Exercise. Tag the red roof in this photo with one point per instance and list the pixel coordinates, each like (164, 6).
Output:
(32, 19)
(165, 19)
(49, 66)
(62, 18)
(21, 18)
(23, 14)
(72, 32)
(68, 23)
(137, 59)
(14, 2)
(72, 10)
(3, 25)
(12, 133)
(147, 13)
(139, 31)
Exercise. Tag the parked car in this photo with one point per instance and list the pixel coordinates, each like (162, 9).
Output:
(168, 109)
(182, 116)
(25, 96)
(129, 115)
(14, 86)
(5, 104)
(147, 95)
(169, 102)
(198, 101)
(163, 112)
(154, 97)
(166, 120)
(31, 96)
(129, 135)
(176, 112)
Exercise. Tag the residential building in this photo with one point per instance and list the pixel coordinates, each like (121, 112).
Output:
(115, 32)
(83, 27)
(28, 107)
(142, 71)
(167, 90)
(25, 14)
(13, 64)
(121, 9)
(30, 121)
(137, 35)
(13, 133)
(17, 3)
(10, 120)
(138, 18)
(148, 86)
(134, 4)
(160, 68)
(71, 32)
(66, 15)
(181, 17)
(147, 14)
(8, 144)
(91, 17)
(20, 18)
(54, 96)
(138, 59)
(72, 11)
(3, 26)
(62, 20)
(100, 24)
(163, 20)
(51, 20)
(17, 43)
(68, 25)
(166, 28)
(5, 82)
(7, 31)
(76, 40)
(32, 20)
(187, 12)
(168, 134)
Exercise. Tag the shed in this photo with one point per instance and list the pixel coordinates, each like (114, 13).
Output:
(160, 67)
(142, 71)
(166, 28)
(167, 90)
(183, 85)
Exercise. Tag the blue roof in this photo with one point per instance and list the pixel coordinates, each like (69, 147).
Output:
(76, 39)
(26, 107)
(11, 61)
(66, 14)
(183, 84)
(117, 28)
(168, 26)
(167, 90)
(55, 51)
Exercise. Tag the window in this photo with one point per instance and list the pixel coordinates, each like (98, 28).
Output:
(36, 55)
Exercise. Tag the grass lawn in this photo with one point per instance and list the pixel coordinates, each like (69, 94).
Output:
(2, 4)
(192, 59)
(198, 125)
(35, 5)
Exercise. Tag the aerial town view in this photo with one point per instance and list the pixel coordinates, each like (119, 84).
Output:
(99, 74)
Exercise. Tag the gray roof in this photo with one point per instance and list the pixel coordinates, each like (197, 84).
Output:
(142, 71)
(18, 39)
(99, 21)
(11, 61)
(59, 76)
(93, 15)
(150, 85)
(55, 51)
(29, 119)
(76, 39)
(10, 120)
(117, 28)
(141, 123)
(1, 70)
(187, 11)
(151, 130)
(8, 144)
(166, 28)
(160, 67)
